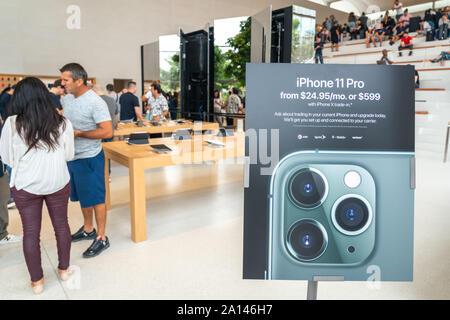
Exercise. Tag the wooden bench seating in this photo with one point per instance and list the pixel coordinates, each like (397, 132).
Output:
(379, 52)
(433, 69)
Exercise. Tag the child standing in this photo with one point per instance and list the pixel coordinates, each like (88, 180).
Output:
(318, 46)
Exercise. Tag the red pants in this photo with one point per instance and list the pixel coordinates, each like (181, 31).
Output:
(30, 209)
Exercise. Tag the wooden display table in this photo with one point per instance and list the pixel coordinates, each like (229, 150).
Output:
(125, 129)
(139, 158)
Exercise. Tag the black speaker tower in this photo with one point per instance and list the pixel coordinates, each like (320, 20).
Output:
(197, 74)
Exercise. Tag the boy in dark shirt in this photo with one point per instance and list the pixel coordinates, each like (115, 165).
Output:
(398, 32)
(318, 46)
(5, 97)
(56, 91)
(335, 34)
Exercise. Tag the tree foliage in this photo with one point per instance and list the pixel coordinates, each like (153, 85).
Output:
(222, 81)
(239, 55)
(170, 80)
(229, 67)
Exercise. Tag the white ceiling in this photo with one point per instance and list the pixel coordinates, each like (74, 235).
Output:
(365, 5)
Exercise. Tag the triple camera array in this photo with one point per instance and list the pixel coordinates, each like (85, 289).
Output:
(351, 214)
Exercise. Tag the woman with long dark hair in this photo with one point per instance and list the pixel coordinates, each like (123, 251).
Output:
(36, 142)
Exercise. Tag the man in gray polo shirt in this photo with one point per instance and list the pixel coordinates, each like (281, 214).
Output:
(91, 121)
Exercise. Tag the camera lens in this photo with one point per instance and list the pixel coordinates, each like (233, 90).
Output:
(307, 188)
(307, 240)
(352, 215)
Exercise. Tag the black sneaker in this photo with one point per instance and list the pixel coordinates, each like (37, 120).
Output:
(81, 235)
(96, 248)
(410, 53)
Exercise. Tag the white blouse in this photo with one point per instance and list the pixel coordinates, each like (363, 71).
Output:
(40, 171)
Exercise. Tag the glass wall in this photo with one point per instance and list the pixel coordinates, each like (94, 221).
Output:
(303, 30)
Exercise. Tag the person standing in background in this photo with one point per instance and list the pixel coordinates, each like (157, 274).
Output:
(173, 105)
(36, 143)
(330, 22)
(363, 19)
(91, 121)
(130, 108)
(113, 111)
(5, 236)
(112, 106)
(324, 34)
(5, 97)
(115, 96)
(232, 105)
(56, 92)
(398, 8)
(335, 37)
(157, 103)
(352, 25)
(318, 46)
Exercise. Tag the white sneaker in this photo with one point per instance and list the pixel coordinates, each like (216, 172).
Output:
(11, 204)
(10, 238)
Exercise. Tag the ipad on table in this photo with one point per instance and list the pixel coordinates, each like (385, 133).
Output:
(215, 143)
(160, 148)
(138, 138)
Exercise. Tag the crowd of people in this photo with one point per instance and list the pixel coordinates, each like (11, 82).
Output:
(234, 104)
(434, 24)
(50, 149)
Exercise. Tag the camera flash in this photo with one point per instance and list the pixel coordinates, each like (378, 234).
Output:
(352, 179)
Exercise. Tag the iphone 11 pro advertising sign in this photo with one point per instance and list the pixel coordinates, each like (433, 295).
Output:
(330, 172)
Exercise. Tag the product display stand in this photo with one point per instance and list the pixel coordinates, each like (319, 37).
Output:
(312, 290)
(312, 285)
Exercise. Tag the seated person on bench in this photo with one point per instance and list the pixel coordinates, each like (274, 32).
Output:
(425, 27)
(445, 55)
(398, 32)
(405, 43)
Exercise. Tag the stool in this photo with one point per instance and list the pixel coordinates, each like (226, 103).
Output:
(446, 142)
